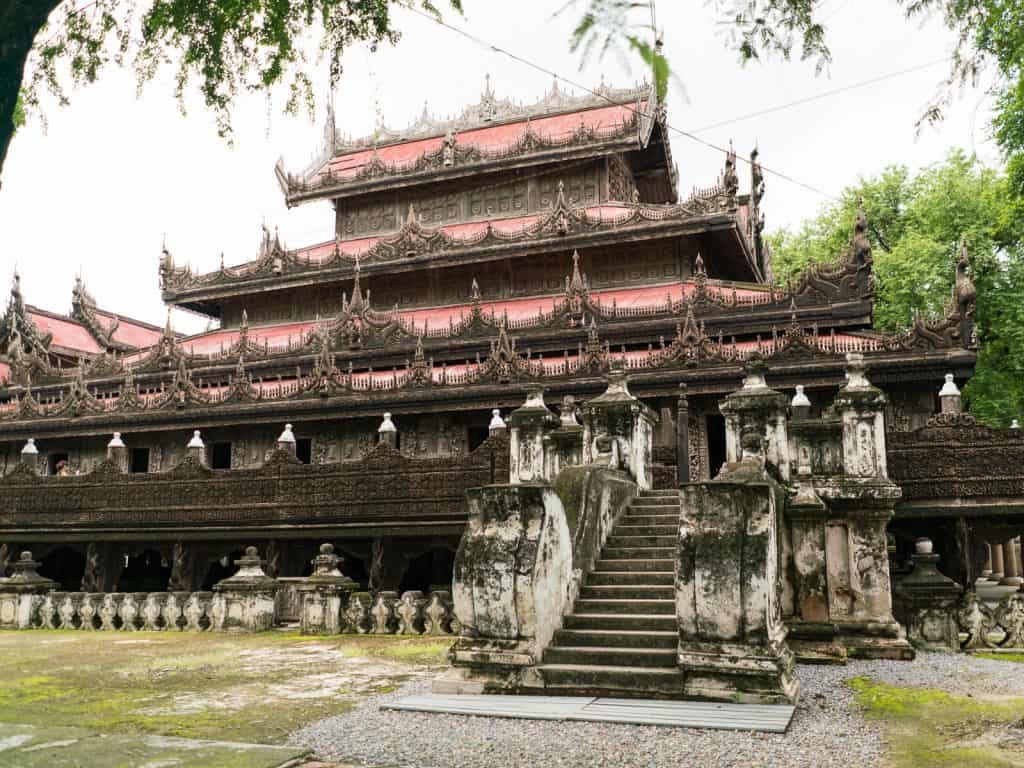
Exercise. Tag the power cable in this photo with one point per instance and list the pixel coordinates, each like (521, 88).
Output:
(822, 95)
(636, 111)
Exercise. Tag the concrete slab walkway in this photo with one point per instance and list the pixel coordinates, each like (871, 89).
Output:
(29, 746)
(769, 718)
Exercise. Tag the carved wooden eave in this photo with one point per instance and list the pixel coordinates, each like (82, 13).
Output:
(458, 157)
(563, 228)
(83, 310)
(956, 468)
(710, 366)
(19, 335)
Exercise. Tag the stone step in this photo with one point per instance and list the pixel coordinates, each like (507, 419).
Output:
(619, 540)
(629, 519)
(637, 553)
(603, 578)
(655, 501)
(660, 492)
(636, 622)
(611, 657)
(653, 564)
(631, 605)
(615, 682)
(627, 529)
(628, 591)
(616, 638)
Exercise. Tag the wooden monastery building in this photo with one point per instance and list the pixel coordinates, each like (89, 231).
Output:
(511, 246)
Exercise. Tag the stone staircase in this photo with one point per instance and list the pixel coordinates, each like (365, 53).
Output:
(621, 637)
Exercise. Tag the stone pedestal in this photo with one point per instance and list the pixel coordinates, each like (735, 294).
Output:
(732, 641)
(528, 425)
(325, 595)
(927, 602)
(836, 591)
(245, 602)
(512, 574)
(22, 593)
(618, 431)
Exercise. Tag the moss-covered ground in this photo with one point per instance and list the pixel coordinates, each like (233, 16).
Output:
(931, 729)
(244, 688)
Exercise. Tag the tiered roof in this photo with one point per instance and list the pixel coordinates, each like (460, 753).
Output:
(358, 353)
(717, 209)
(39, 339)
(489, 135)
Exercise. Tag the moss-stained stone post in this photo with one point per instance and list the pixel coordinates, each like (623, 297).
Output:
(758, 407)
(563, 446)
(510, 588)
(927, 602)
(245, 602)
(861, 501)
(528, 424)
(618, 431)
(325, 594)
(22, 593)
(732, 640)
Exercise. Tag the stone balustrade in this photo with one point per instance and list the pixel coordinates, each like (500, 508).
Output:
(411, 613)
(984, 627)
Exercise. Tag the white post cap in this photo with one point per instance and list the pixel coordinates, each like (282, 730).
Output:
(116, 441)
(800, 399)
(286, 436)
(30, 447)
(949, 388)
(496, 421)
(387, 425)
(196, 441)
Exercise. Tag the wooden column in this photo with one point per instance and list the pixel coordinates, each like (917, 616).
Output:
(997, 562)
(682, 438)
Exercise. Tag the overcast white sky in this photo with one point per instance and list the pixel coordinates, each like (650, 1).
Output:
(113, 173)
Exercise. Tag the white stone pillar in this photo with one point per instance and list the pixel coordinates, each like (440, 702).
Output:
(286, 440)
(949, 397)
(30, 455)
(117, 452)
(387, 432)
(196, 448)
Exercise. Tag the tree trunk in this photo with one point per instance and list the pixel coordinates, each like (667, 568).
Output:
(20, 22)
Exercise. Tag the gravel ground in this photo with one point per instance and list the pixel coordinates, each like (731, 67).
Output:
(827, 730)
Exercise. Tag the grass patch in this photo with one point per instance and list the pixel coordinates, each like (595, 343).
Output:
(249, 688)
(927, 728)
(1015, 657)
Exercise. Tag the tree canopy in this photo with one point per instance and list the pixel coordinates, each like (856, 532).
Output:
(917, 222)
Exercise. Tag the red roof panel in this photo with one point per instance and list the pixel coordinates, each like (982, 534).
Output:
(67, 334)
(491, 139)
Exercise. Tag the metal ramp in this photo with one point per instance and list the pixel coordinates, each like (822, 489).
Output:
(768, 718)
